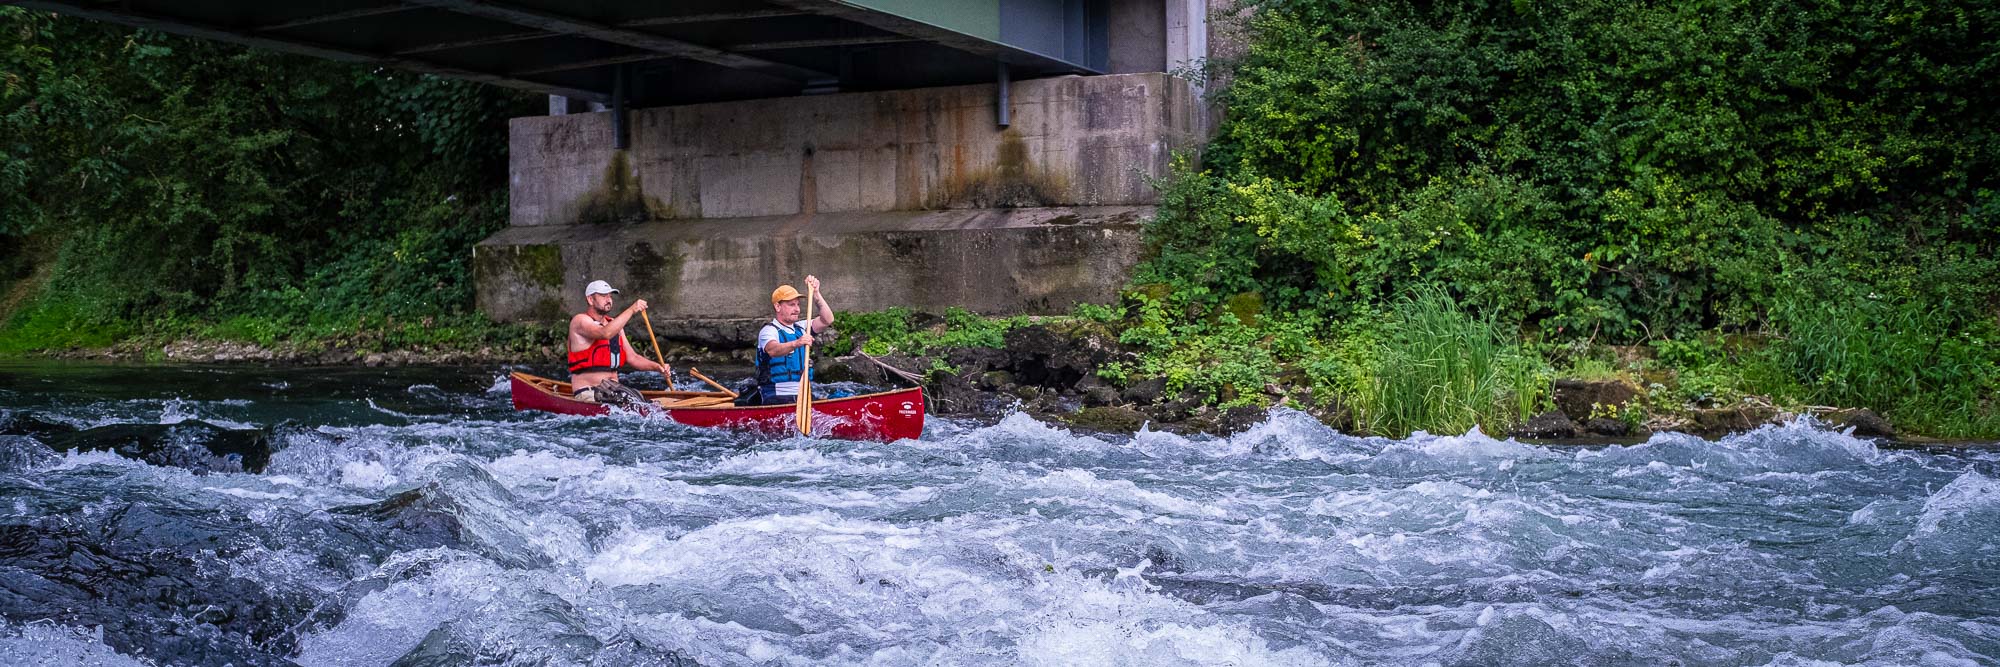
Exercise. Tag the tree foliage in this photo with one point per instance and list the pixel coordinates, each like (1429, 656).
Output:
(1616, 171)
(183, 178)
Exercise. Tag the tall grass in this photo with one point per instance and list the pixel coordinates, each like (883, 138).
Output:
(1926, 371)
(1438, 368)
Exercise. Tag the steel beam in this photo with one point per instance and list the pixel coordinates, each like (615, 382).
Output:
(710, 18)
(180, 26)
(364, 12)
(819, 43)
(665, 46)
(587, 64)
(507, 38)
(922, 31)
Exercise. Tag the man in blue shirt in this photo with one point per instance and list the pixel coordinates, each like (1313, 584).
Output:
(781, 344)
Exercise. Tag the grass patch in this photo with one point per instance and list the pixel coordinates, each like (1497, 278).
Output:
(1432, 366)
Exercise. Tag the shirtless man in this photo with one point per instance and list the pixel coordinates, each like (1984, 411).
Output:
(597, 347)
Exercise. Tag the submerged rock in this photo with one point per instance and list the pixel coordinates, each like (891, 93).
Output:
(195, 445)
(147, 577)
(464, 507)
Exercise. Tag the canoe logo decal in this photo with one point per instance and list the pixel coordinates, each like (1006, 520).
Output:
(909, 408)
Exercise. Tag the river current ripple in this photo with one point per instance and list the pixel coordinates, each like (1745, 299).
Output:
(533, 539)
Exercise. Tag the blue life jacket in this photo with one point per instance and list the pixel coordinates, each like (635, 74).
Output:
(788, 368)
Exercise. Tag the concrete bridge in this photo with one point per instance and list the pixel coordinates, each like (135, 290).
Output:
(989, 154)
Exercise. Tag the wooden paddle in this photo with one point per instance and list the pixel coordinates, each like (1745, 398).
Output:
(718, 387)
(805, 374)
(656, 348)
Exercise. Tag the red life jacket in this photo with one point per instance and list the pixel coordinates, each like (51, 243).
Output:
(603, 356)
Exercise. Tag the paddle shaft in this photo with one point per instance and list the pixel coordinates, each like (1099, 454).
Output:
(656, 348)
(718, 386)
(805, 373)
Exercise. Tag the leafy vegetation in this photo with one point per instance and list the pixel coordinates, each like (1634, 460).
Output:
(1815, 181)
(900, 331)
(165, 186)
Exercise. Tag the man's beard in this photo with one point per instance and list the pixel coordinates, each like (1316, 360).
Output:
(604, 310)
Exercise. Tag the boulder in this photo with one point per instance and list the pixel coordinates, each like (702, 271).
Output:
(1145, 392)
(1051, 358)
(1108, 419)
(194, 445)
(1607, 426)
(1579, 399)
(1100, 395)
(1548, 425)
(1864, 421)
(1717, 422)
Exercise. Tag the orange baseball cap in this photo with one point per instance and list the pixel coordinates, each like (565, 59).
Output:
(784, 293)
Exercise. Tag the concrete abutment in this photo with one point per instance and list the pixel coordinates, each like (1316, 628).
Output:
(911, 198)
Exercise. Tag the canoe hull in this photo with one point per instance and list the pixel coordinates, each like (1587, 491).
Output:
(883, 417)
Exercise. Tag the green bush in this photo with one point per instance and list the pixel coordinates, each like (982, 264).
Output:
(1596, 172)
(194, 187)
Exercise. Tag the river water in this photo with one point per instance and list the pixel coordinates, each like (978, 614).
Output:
(411, 517)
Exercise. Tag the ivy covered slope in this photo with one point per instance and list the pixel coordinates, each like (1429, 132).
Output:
(157, 188)
(1709, 199)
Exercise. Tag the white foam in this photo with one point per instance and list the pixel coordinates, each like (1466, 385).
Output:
(44, 643)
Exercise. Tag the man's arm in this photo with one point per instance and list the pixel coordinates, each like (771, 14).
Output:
(588, 328)
(775, 349)
(824, 318)
(639, 361)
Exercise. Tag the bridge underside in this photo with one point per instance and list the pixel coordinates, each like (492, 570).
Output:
(665, 52)
(911, 153)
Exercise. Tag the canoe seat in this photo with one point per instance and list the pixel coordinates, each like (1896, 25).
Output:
(695, 402)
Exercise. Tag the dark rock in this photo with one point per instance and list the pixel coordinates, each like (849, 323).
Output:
(1183, 406)
(146, 580)
(463, 507)
(1608, 427)
(1145, 391)
(1109, 419)
(1716, 422)
(1047, 357)
(1238, 419)
(850, 368)
(994, 380)
(195, 445)
(1580, 398)
(1864, 421)
(1100, 395)
(1548, 425)
(976, 359)
(720, 334)
(28, 424)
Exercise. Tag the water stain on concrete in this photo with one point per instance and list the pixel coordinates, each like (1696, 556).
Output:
(1013, 181)
(531, 274)
(653, 275)
(618, 196)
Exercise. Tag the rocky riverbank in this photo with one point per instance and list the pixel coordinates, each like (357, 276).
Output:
(1050, 370)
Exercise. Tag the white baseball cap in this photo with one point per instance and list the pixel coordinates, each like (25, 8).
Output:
(598, 287)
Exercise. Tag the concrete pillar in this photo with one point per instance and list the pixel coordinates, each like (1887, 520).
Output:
(1187, 37)
(563, 106)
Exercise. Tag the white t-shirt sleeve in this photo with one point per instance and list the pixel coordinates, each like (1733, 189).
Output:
(766, 336)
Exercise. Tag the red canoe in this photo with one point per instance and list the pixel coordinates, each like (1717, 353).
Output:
(883, 417)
